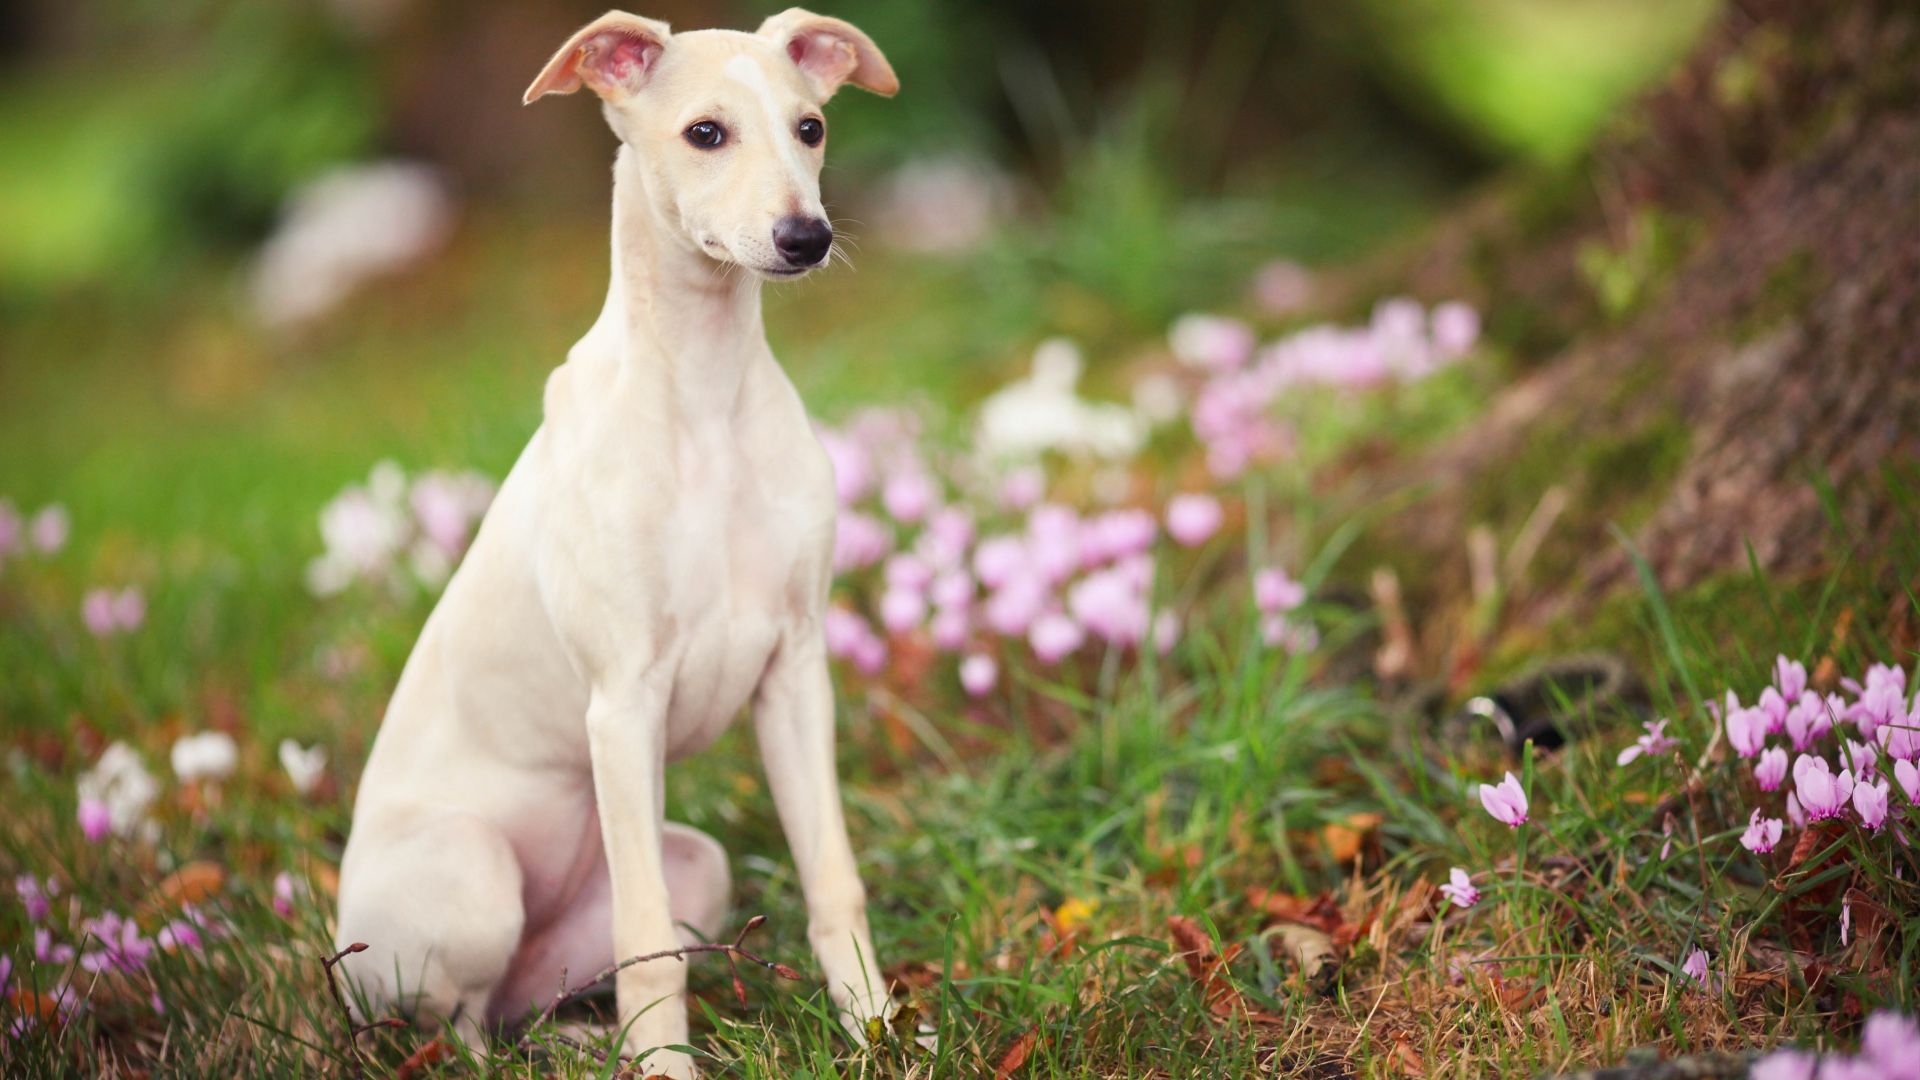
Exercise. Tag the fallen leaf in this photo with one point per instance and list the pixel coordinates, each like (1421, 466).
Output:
(194, 883)
(430, 1053)
(1346, 839)
(1017, 1054)
(1209, 969)
(1313, 954)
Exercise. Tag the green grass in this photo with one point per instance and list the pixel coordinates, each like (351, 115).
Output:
(194, 457)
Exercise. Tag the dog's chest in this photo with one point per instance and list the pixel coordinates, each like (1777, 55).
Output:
(732, 565)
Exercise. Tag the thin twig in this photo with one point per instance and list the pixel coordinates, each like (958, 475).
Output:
(354, 1031)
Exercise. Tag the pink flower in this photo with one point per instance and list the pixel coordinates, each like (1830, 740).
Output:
(1053, 541)
(1695, 968)
(1770, 769)
(1456, 327)
(949, 532)
(1784, 1065)
(1747, 731)
(909, 494)
(1117, 535)
(1655, 743)
(48, 530)
(1795, 814)
(1282, 287)
(47, 951)
(952, 590)
(1275, 593)
(1790, 676)
(283, 895)
(1808, 720)
(902, 609)
(1762, 833)
(107, 612)
(909, 572)
(950, 627)
(1822, 795)
(1211, 342)
(121, 946)
(1882, 702)
(852, 466)
(848, 637)
(998, 559)
(1054, 637)
(1870, 802)
(1892, 1042)
(1280, 632)
(1863, 759)
(978, 674)
(1901, 739)
(1507, 801)
(1023, 487)
(1110, 605)
(32, 897)
(859, 540)
(1775, 708)
(1012, 608)
(1907, 774)
(1192, 519)
(96, 821)
(1459, 889)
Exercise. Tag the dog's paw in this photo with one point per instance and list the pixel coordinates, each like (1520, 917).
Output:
(666, 1064)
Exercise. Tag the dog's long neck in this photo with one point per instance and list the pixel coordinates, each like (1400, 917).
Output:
(688, 320)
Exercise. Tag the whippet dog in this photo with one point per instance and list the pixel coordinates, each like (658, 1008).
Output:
(659, 558)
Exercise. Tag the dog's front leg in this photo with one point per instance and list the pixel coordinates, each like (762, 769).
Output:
(793, 718)
(626, 736)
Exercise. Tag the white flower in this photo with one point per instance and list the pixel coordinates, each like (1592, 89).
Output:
(1041, 412)
(120, 782)
(210, 755)
(303, 766)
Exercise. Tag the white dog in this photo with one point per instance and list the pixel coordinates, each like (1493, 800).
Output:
(659, 557)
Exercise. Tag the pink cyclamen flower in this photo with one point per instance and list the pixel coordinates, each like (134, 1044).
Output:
(1907, 775)
(978, 674)
(1695, 967)
(107, 612)
(1863, 759)
(1785, 1065)
(48, 951)
(33, 897)
(1456, 326)
(1012, 608)
(1822, 794)
(1747, 731)
(1892, 1042)
(283, 895)
(48, 530)
(950, 627)
(1795, 814)
(1655, 743)
(1192, 519)
(1771, 769)
(1023, 487)
(909, 494)
(1275, 593)
(1808, 720)
(859, 540)
(1506, 801)
(998, 560)
(96, 821)
(902, 609)
(1901, 738)
(1762, 833)
(1790, 676)
(1054, 637)
(121, 947)
(1775, 707)
(1166, 632)
(1459, 889)
(1870, 802)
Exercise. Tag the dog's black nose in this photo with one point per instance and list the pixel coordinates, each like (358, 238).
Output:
(802, 241)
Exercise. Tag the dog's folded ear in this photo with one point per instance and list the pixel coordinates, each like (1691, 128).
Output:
(613, 55)
(831, 52)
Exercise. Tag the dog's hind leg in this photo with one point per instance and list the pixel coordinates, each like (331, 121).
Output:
(438, 905)
(699, 885)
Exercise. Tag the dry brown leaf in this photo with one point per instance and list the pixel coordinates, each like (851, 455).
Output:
(430, 1053)
(1209, 969)
(1313, 954)
(194, 883)
(1016, 1054)
(1345, 840)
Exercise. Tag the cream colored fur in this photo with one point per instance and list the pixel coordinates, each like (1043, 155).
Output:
(657, 561)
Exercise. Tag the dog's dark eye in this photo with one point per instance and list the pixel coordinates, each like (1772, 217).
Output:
(811, 131)
(706, 135)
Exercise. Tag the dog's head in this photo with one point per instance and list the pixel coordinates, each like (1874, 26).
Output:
(726, 126)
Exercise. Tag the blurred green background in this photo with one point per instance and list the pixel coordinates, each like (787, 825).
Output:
(1079, 168)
